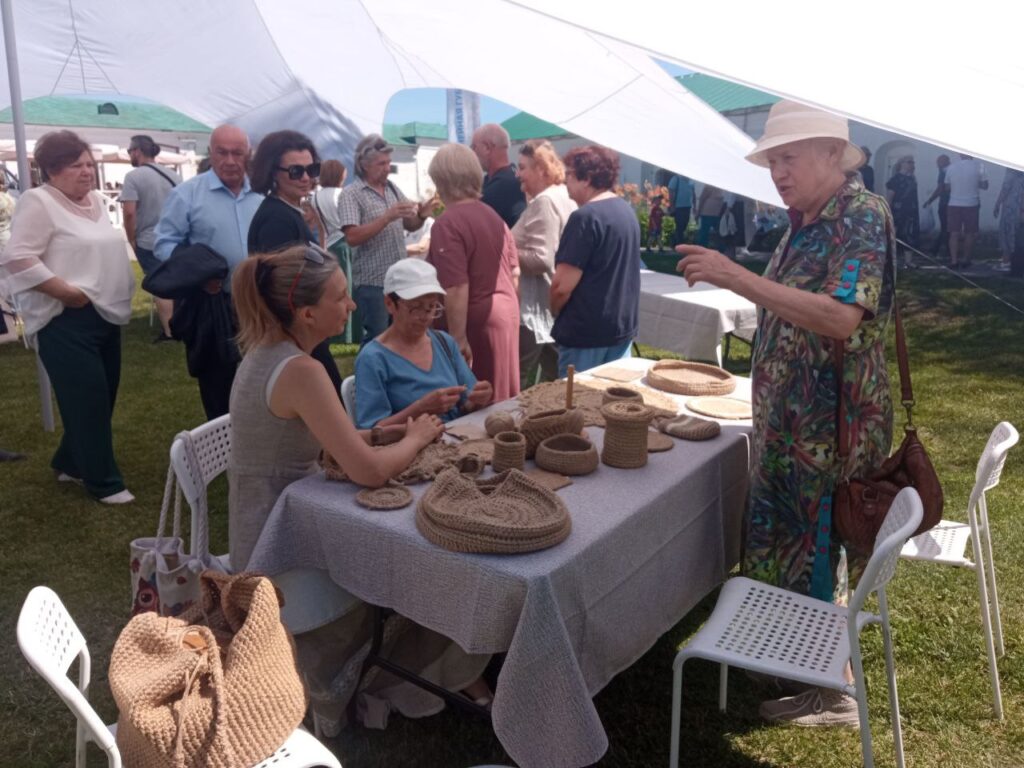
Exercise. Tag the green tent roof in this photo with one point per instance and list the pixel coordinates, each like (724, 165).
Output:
(407, 133)
(523, 126)
(78, 111)
(724, 96)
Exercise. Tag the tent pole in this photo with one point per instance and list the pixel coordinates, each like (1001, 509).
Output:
(24, 173)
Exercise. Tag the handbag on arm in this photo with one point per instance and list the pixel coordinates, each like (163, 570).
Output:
(861, 503)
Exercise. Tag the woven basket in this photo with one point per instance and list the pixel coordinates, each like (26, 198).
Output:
(545, 424)
(617, 394)
(509, 451)
(567, 455)
(625, 436)
(683, 378)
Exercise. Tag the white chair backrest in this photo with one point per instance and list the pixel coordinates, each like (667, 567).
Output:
(900, 522)
(348, 396)
(990, 465)
(212, 442)
(50, 641)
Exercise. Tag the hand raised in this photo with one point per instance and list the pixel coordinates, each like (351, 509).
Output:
(441, 400)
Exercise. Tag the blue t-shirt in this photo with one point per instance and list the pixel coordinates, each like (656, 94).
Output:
(601, 238)
(387, 383)
(680, 189)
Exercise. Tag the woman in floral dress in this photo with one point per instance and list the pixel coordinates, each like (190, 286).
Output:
(832, 277)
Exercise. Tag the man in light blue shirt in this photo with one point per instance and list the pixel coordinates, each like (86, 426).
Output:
(213, 209)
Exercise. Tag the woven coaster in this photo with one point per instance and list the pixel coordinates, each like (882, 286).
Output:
(550, 480)
(388, 497)
(684, 378)
(616, 374)
(482, 447)
(690, 428)
(657, 442)
(721, 407)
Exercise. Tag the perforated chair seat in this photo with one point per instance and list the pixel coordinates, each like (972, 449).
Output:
(945, 543)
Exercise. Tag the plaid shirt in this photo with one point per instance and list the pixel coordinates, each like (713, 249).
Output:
(360, 204)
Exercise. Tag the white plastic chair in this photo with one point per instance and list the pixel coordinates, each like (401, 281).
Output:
(947, 543)
(50, 641)
(766, 629)
(348, 396)
(212, 442)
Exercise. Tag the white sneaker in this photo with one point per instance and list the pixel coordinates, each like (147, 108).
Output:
(63, 477)
(121, 497)
(814, 708)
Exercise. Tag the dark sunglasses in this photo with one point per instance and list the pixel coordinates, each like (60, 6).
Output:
(313, 253)
(295, 172)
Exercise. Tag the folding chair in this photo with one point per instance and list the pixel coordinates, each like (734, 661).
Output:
(50, 642)
(196, 469)
(946, 543)
(348, 396)
(767, 629)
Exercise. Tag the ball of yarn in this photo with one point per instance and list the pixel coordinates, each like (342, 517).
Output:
(502, 421)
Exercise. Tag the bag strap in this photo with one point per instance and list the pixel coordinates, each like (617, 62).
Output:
(170, 181)
(200, 535)
(171, 486)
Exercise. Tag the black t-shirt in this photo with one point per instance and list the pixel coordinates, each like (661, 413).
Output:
(277, 224)
(502, 192)
(868, 174)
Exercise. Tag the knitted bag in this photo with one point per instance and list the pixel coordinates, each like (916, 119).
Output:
(216, 687)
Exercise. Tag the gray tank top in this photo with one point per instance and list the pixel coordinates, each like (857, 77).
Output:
(267, 453)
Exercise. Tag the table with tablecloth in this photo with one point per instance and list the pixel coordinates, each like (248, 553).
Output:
(691, 320)
(646, 545)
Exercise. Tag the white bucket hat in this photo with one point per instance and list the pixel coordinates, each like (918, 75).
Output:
(411, 278)
(790, 121)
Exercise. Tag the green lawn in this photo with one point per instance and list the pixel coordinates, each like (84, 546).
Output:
(968, 364)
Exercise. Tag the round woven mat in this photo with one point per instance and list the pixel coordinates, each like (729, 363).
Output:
(388, 497)
(721, 407)
(481, 446)
(657, 442)
(684, 378)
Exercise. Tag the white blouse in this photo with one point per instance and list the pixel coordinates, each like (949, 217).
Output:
(52, 236)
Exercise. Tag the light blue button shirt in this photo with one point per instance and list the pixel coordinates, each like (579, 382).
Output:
(202, 211)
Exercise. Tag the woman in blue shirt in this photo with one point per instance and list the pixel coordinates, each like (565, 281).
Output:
(410, 368)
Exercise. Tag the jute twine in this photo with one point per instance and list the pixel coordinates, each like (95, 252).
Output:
(625, 437)
(388, 497)
(567, 455)
(683, 378)
(545, 424)
(500, 421)
(509, 451)
(507, 513)
(613, 394)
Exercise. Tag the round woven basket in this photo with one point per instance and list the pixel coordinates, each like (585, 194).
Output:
(617, 394)
(625, 436)
(545, 424)
(567, 455)
(683, 378)
(509, 451)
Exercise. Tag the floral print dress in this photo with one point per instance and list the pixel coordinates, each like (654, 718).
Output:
(846, 253)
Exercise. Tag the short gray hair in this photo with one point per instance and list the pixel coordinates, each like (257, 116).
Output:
(368, 146)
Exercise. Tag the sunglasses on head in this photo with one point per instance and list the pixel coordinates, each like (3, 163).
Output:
(313, 253)
(295, 171)
(377, 146)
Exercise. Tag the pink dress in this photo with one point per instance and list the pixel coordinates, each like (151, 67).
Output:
(471, 244)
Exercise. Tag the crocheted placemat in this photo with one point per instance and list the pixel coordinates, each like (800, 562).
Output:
(690, 428)
(388, 497)
(428, 462)
(550, 480)
(684, 378)
(481, 446)
(616, 374)
(721, 407)
(587, 397)
(657, 442)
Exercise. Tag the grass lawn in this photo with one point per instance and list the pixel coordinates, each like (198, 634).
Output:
(968, 364)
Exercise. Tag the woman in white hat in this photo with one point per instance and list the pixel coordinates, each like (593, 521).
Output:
(411, 369)
(831, 279)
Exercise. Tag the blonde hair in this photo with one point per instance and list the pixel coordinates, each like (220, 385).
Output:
(456, 172)
(547, 161)
(261, 286)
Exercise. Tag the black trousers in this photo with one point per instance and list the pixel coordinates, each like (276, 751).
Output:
(681, 216)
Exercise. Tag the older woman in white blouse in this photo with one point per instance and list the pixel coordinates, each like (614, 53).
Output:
(537, 232)
(67, 268)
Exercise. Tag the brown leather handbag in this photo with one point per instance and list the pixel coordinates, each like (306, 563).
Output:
(861, 503)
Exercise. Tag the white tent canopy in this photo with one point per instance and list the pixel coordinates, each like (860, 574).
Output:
(329, 67)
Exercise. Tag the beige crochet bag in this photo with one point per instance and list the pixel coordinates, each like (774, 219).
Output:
(216, 687)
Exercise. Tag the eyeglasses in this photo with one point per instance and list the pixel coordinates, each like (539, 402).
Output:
(313, 253)
(432, 312)
(295, 171)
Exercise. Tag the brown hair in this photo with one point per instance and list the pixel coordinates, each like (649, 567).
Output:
(596, 165)
(261, 285)
(268, 157)
(456, 172)
(332, 173)
(56, 151)
(546, 159)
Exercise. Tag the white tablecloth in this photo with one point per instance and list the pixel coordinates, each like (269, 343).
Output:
(691, 321)
(646, 546)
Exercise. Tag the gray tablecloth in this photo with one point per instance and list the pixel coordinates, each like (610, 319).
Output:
(691, 321)
(646, 546)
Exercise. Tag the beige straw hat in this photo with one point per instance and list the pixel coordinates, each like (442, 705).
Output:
(789, 121)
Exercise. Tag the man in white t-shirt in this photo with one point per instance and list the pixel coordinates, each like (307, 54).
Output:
(964, 181)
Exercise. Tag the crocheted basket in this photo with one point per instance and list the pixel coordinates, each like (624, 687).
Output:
(509, 451)
(615, 394)
(625, 436)
(567, 455)
(683, 378)
(545, 424)
(507, 513)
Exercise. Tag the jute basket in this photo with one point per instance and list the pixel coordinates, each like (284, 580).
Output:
(509, 451)
(625, 437)
(567, 455)
(683, 378)
(547, 424)
(617, 394)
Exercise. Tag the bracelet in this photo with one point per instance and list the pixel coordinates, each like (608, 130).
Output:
(377, 436)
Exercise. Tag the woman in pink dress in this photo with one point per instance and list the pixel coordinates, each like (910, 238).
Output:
(477, 265)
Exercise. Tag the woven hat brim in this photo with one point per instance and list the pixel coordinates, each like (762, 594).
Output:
(852, 159)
